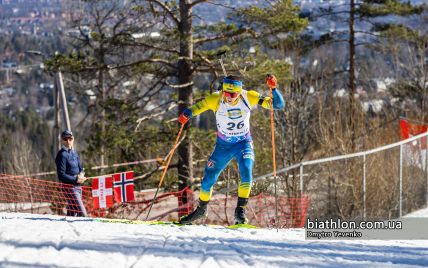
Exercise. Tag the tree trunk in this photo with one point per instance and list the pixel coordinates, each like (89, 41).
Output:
(352, 73)
(185, 96)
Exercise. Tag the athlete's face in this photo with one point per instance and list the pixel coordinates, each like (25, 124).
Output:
(231, 97)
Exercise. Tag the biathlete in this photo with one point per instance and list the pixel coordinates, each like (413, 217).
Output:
(232, 107)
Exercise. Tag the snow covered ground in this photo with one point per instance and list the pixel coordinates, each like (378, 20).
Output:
(422, 213)
(29, 240)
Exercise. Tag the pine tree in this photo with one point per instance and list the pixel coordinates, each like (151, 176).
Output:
(161, 39)
(194, 58)
(407, 47)
(357, 12)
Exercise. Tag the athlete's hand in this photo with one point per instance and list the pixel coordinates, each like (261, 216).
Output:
(185, 116)
(271, 81)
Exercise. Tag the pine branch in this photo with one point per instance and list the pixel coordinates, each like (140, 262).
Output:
(367, 43)
(161, 61)
(329, 14)
(240, 32)
(164, 49)
(167, 10)
(209, 64)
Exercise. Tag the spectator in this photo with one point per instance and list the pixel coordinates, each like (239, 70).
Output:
(70, 173)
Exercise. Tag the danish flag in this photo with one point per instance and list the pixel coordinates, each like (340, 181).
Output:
(124, 186)
(102, 192)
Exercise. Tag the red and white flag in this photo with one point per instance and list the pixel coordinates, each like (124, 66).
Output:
(102, 192)
(409, 130)
(414, 153)
(124, 186)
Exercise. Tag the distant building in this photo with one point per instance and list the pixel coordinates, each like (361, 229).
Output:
(9, 64)
(373, 106)
(7, 91)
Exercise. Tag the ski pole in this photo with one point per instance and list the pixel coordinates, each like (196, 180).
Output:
(166, 168)
(272, 125)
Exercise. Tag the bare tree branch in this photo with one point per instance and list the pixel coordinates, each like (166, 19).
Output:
(221, 5)
(196, 2)
(179, 86)
(152, 115)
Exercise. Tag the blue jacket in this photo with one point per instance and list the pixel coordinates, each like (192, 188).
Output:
(68, 166)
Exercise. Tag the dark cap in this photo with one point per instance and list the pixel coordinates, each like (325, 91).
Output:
(66, 133)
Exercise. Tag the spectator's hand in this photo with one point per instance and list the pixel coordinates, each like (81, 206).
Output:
(185, 116)
(81, 179)
(271, 81)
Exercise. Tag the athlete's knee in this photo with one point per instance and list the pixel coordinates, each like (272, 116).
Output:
(208, 181)
(211, 175)
(247, 170)
(248, 165)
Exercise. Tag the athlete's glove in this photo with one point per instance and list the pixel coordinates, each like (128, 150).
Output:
(185, 116)
(271, 81)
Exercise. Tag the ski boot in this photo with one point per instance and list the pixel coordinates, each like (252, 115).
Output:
(240, 211)
(199, 213)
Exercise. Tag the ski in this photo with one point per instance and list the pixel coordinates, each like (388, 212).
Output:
(125, 221)
(175, 223)
(242, 225)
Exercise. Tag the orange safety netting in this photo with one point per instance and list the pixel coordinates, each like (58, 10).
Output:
(167, 206)
(21, 194)
(18, 193)
(260, 211)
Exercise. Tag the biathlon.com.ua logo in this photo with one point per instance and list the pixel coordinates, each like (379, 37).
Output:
(342, 224)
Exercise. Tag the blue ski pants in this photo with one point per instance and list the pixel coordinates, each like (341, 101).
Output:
(223, 153)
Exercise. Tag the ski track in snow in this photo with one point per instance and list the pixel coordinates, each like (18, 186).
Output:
(28, 240)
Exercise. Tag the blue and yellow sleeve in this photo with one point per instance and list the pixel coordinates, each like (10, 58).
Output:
(211, 102)
(255, 98)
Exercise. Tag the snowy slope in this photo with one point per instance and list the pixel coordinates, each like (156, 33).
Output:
(423, 213)
(28, 240)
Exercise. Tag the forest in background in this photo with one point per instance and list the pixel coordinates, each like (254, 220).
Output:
(131, 67)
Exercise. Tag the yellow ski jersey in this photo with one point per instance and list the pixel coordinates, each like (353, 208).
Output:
(212, 102)
(233, 120)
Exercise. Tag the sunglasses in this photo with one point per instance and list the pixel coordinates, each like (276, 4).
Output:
(231, 94)
(68, 138)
